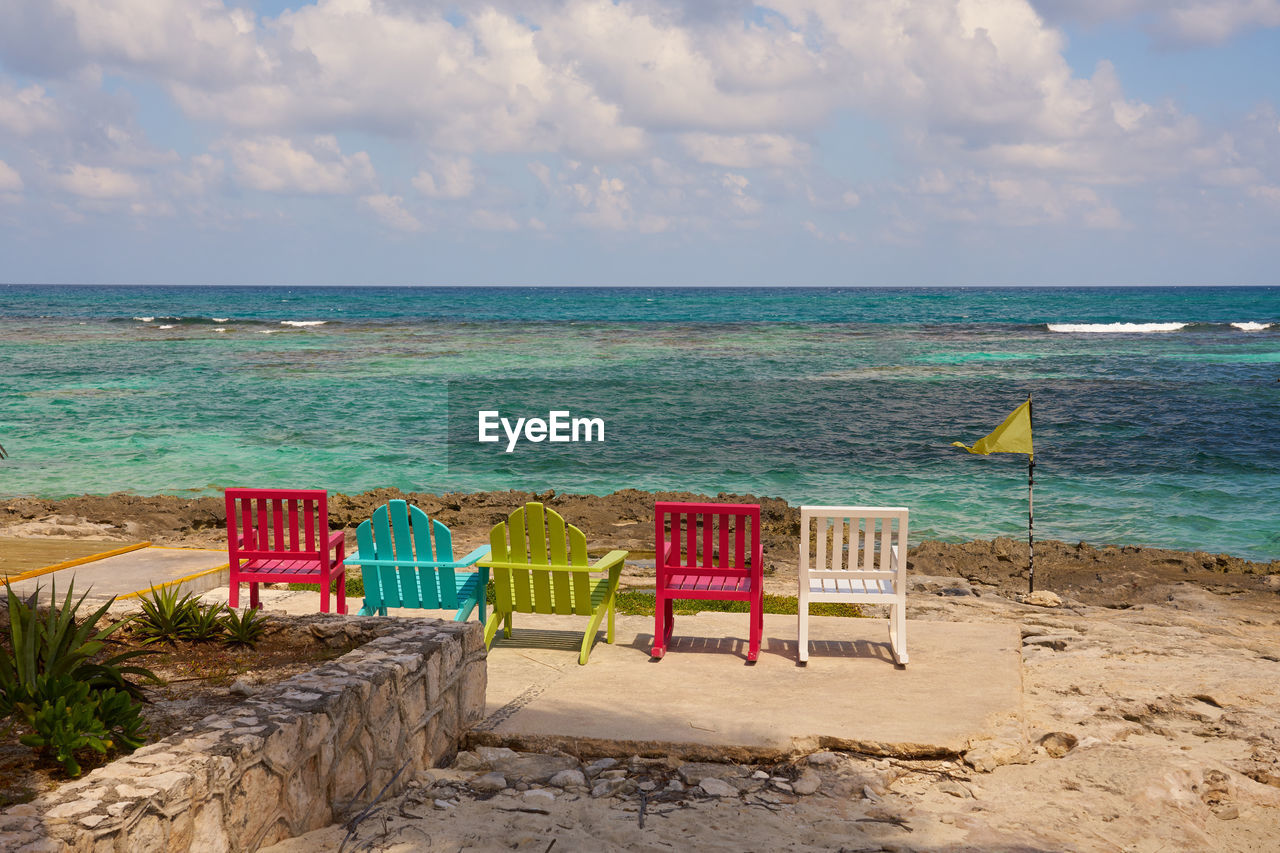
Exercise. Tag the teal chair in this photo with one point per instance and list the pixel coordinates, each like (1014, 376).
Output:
(406, 560)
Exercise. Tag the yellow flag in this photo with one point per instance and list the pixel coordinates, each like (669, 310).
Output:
(1012, 436)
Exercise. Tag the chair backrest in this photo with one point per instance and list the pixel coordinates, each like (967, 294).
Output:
(267, 523)
(398, 531)
(866, 545)
(708, 539)
(538, 538)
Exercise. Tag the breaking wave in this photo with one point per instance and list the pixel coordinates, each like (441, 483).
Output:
(1113, 328)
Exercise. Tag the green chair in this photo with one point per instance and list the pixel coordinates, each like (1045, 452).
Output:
(539, 565)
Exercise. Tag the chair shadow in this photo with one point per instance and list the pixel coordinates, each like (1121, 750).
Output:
(730, 646)
(831, 649)
(542, 638)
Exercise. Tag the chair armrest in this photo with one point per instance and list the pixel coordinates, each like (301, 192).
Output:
(535, 567)
(612, 562)
(666, 548)
(336, 538)
(472, 558)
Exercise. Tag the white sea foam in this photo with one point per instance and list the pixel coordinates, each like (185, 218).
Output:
(303, 322)
(1252, 327)
(219, 319)
(220, 329)
(166, 327)
(1130, 328)
(145, 319)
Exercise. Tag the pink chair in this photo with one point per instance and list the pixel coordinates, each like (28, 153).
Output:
(702, 553)
(282, 535)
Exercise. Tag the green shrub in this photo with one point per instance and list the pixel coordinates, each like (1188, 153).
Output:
(64, 719)
(56, 644)
(244, 628)
(205, 624)
(165, 615)
(50, 680)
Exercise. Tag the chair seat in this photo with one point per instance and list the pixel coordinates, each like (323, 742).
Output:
(709, 583)
(279, 567)
(466, 584)
(850, 586)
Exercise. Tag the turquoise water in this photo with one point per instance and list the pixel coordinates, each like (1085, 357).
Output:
(845, 395)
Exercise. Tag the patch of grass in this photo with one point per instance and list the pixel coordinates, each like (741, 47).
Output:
(640, 603)
(355, 585)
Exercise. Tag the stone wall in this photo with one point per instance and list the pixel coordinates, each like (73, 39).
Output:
(295, 757)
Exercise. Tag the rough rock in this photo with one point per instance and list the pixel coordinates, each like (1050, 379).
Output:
(717, 787)
(808, 782)
(1058, 744)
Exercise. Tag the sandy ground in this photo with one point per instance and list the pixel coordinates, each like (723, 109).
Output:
(1150, 728)
(1151, 709)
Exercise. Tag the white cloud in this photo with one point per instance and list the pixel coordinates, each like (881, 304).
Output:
(448, 178)
(737, 187)
(99, 183)
(490, 220)
(1187, 21)
(277, 165)
(10, 180)
(177, 39)
(391, 211)
(745, 152)
(27, 111)
(632, 115)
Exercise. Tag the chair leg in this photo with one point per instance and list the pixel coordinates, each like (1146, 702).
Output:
(233, 595)
(660, 629)
(254, 604)
(324, 593)
(802, 630)
(613, 605)
(589, 638)
(757, 628)
(671, 621)
(506, 627)
(491, 629)
(898, 633)
(342, 594)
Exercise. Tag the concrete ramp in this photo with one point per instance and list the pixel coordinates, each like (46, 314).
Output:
(963, 687)
(134, 573)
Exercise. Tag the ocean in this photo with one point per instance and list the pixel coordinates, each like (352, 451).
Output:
(1155, 409)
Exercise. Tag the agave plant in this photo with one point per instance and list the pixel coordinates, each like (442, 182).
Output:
(243, 628)
(165, 615)
(205, 624)
(56, 644)
(50, 680)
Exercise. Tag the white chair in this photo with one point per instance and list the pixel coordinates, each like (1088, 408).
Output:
(861, 558)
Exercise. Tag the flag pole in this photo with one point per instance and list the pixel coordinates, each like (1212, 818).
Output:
(1031, 482)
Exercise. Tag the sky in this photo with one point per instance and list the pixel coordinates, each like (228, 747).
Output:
(640, 142)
